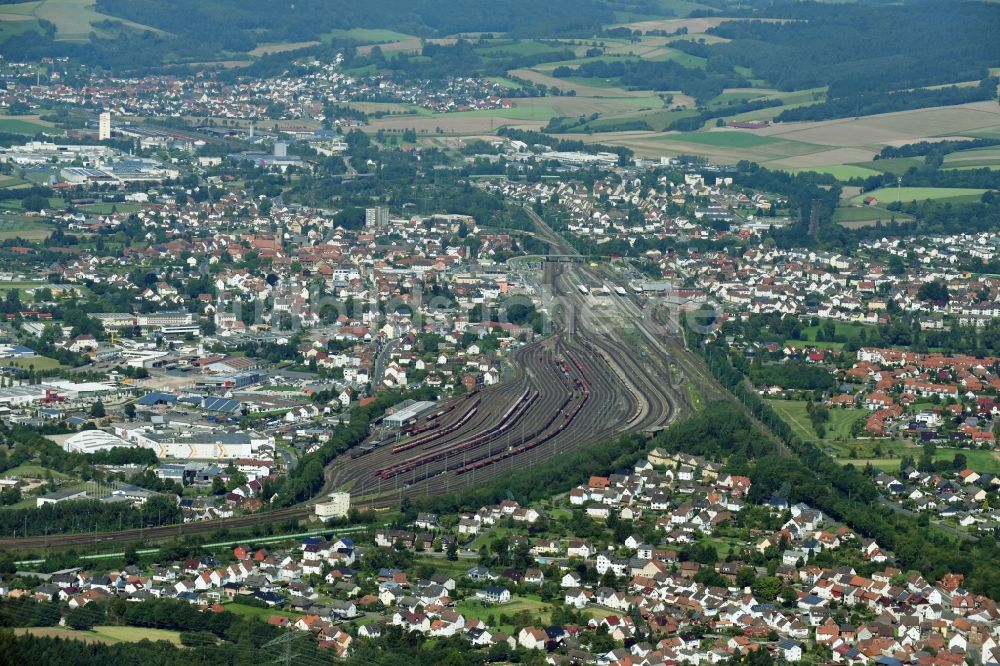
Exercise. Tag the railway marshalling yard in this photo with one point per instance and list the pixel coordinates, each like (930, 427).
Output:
(605, 370)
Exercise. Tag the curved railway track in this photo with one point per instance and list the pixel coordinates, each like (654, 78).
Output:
(584, 383)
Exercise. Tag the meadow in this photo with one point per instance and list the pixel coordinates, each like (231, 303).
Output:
(26, 125)
(21, 227)
(906, 194)
(837, 428)
(106, 634)
(860, 216)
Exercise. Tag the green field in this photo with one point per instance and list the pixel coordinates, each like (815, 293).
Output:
(260, 613)
(38, 363)
(837, 428)
(474, 608)
(106, 208)
(857, 215)
(19, 126)
(370, 35)
(520, 47)
(28, 229)
(729, 139)
(897, 166)
(107, 634)
(976, 459)
(907, 194)
(74, 19)
(974, 159)
(838, 171)
(13, 28)
(32, 471)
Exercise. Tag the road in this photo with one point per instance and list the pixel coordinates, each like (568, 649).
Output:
(381, 361)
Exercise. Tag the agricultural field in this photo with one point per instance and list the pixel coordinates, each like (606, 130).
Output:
(862, 216)
(906, 194)
(74, 19)
(26, 125)
(842, 147)
(12, 25)
(974, 159)
(26, 228)
(897, 166)
(107, 634)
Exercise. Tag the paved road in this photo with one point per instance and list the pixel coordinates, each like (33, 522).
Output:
(381, 361)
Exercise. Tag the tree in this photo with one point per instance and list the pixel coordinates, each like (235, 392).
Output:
(130, 410)
(935, 290)
(84, 617)
(452, 552)
(218, 486)
(97, 410)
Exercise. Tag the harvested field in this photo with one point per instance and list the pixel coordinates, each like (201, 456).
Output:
(903, 126)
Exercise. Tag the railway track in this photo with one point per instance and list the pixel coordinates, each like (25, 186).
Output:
(583, 384)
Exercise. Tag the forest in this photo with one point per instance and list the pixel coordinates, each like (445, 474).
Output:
(702, 84)
(239, 23)
(863, 48)
(871, 103)
(794, 375)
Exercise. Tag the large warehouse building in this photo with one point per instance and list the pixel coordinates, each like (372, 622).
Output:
(198, 445)
(91, 441)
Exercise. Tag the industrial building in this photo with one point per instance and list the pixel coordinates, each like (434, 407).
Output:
(197, 445)
(407, 412)
(91, 441)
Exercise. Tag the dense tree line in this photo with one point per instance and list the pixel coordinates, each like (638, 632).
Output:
(803, 191)
(702, 84)
(248, 22)
(859, 49)
(868, 104)
(794, 375)
(922, 148)
(440, 61)
(692, 123)
(89, 516)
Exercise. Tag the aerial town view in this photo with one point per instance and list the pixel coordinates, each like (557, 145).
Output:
(467, 332)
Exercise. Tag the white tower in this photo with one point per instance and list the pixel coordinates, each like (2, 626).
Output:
(104, 126)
